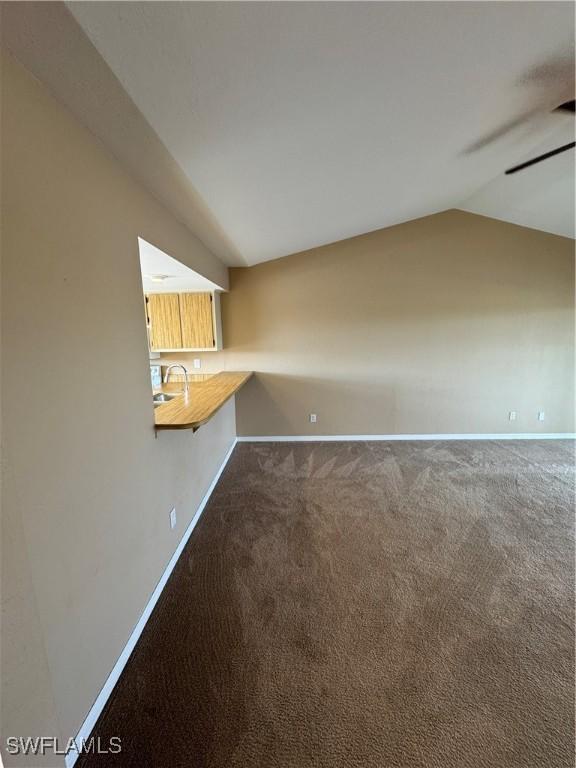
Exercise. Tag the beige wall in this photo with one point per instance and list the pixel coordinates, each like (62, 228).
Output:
(87, 488)
(439, 325)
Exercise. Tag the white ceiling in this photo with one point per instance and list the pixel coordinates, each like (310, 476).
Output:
(178, 277)
(300, 124)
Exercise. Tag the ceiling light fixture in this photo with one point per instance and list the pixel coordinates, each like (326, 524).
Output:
(159, 278)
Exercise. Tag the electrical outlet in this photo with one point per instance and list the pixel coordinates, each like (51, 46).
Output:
(313, 418)
(541, 415)
(512, 415)
(173, 518)
(197, 362)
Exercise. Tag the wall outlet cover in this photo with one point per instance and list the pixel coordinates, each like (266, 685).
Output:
(197, 362)
(313, 418)
(541, 415)
(512, 415)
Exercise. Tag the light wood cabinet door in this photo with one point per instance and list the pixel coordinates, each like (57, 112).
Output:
(196, 319)
(164, 316)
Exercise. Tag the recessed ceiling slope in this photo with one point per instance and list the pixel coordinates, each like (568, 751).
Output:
(541, 196)
(163, 274)
(305, 123)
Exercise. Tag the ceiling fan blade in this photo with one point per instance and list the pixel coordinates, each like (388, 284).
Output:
(540, 158)
(568, 106)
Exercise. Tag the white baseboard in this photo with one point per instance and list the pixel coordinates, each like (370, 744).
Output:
(98, 706)
(465, 436)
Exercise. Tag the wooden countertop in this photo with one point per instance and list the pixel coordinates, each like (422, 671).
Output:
(204, 398)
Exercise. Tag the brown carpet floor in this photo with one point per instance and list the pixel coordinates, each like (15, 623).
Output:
(364, 605)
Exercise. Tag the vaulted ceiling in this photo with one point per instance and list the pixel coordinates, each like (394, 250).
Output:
(298, 124)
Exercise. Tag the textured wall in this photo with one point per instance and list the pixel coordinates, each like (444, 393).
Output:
(443, 324)
(87, 488)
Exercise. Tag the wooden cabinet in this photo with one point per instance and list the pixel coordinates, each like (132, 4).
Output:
(164, 321)
(196, 320)
(188, 321)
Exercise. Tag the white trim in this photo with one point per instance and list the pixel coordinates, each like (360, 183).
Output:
(465, 436)
(102, 698)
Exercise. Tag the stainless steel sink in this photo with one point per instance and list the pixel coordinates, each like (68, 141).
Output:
(164, 397)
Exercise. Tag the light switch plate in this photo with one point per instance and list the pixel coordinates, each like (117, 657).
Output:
(173, 518)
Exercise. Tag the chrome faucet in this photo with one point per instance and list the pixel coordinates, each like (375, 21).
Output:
(177, 365)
